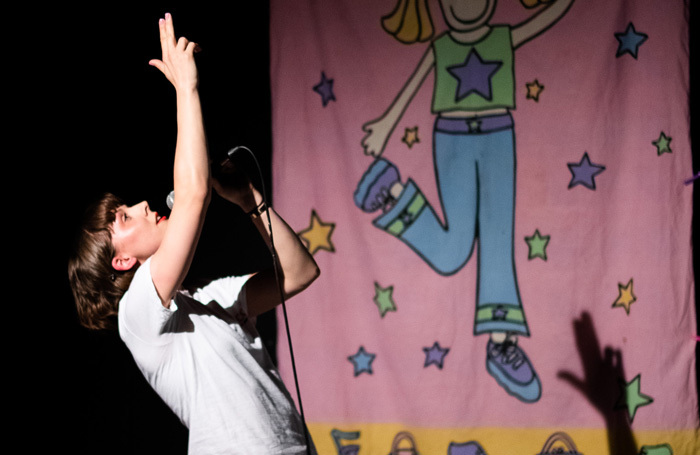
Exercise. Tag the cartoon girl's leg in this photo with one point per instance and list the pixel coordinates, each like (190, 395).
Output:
(409, 216)
(499, 308)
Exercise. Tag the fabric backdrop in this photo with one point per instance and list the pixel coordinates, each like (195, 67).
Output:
(579, 215)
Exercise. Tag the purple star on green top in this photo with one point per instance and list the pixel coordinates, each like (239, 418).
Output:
(583, 172)
(325, 89)
(362, 361)
(435, 355)
(474, 76)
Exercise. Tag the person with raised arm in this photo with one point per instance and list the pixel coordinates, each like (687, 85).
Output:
(199, 350)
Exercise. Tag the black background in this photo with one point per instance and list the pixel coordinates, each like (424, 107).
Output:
(103, 119)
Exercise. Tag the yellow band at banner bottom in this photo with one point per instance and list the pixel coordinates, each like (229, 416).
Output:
(379, 438)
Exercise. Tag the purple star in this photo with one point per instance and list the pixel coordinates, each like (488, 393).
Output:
(435, 355)
(325, 89)
(499, 313)
(474, 76)
(583, 172)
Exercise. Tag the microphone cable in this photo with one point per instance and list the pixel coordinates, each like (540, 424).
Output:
(280, 289)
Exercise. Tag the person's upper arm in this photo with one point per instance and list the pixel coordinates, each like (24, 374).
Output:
(170, 264)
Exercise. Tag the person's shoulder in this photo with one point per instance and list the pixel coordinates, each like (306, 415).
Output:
(142, 277)
(142, 291)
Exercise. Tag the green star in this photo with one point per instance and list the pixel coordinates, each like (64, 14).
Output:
(537, 245)
(383, 299)
(662, 144)
(631, 398)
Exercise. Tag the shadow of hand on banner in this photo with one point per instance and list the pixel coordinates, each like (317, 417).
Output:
(602, 371)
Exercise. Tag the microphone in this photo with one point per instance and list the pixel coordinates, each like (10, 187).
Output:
(170, 199)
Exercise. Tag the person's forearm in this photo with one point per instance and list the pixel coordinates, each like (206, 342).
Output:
(296, 264)
(191, 168)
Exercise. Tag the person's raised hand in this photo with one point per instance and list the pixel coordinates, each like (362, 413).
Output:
(177, 62)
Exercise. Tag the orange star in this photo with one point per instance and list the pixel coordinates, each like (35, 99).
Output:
(410, 137)
(533, 90)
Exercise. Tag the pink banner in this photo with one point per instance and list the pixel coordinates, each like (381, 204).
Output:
(499, 198)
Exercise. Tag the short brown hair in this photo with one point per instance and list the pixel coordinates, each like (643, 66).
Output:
(97, 286)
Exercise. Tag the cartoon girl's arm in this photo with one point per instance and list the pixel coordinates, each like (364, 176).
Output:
(379, 130)
(540, 22)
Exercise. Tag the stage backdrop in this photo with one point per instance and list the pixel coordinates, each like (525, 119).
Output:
(529, 176)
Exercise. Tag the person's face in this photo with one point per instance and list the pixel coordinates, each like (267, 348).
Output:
(137, 233)
(466, 15)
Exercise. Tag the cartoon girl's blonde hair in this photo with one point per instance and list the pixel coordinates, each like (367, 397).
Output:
(410, 22)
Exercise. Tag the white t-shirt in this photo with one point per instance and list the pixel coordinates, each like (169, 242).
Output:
(205, 359)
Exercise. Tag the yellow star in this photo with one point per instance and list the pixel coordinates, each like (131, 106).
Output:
(626, 297)
(410, 137)
(533, 90)
(318, 235)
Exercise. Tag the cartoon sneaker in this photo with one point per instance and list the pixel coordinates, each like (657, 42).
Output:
(511, 368)
(372, 192)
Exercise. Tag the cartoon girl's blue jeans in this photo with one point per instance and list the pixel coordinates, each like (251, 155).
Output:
(475, 171)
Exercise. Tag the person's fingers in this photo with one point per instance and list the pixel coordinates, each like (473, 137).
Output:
(160, 65)
(169, 29)
(192, 48)
(163, 36)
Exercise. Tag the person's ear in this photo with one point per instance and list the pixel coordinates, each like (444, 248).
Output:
(123, 263)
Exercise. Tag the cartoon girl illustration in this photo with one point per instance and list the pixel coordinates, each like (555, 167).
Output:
(474, 159)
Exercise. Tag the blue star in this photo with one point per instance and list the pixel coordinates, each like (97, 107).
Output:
(583, 172)
(435, 355)
(630, 41)
(362, 361)
(325, 89)
(474, 76)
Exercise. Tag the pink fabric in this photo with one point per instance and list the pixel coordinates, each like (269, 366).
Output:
(633, 228)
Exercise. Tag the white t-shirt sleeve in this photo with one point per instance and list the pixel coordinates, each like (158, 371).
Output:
(229, 292)
(141, 312)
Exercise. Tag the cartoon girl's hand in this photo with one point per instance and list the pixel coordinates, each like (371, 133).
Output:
(378, 132)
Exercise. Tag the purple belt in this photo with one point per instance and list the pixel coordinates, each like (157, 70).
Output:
(474, 125)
